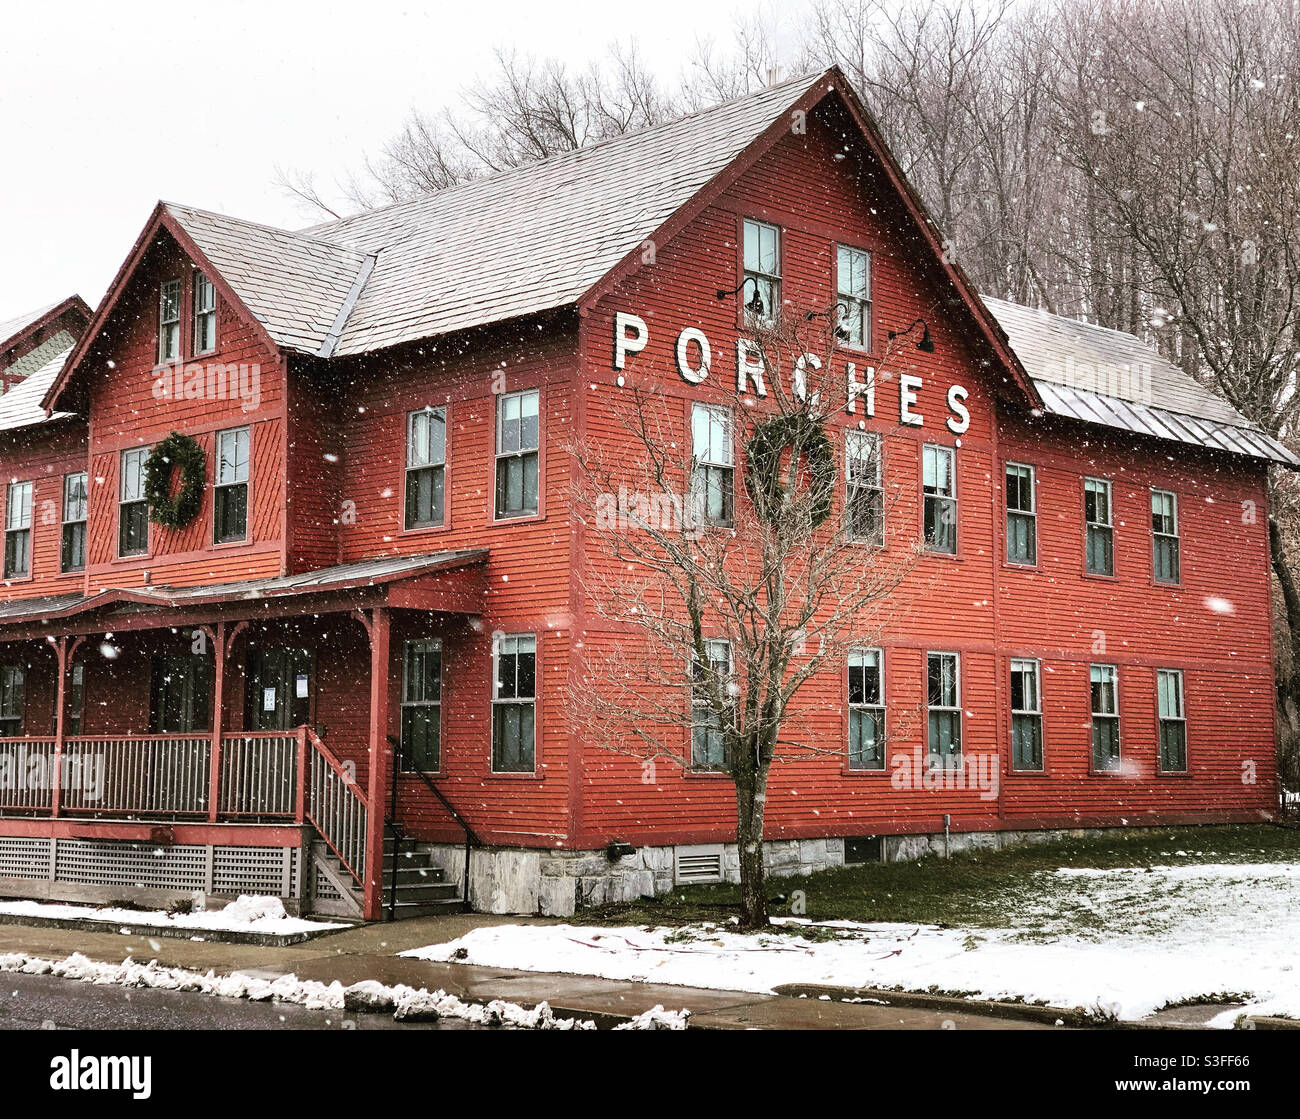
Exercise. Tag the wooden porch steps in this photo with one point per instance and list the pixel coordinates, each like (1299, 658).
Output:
(422, 887)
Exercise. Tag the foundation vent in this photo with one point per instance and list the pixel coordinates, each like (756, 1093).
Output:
(697, 864)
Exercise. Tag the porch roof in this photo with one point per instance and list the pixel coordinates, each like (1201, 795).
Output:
(426, 574)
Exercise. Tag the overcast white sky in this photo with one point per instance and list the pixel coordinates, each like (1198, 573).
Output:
(105, 108)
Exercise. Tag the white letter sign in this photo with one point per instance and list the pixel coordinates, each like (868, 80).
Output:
(623, 344)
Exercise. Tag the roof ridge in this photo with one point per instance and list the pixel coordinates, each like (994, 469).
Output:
(804, 81)
(302, 234)
(1073, 320)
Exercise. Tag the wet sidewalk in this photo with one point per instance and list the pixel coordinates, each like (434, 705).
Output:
(371, 952)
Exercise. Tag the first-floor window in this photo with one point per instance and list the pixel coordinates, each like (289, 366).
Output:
(711, 455)
(11, 701)
(73, 546)
(422, 706)
(1104, 680)
(864, 498)
(18, 531)
(514, 703)
(1026, 716)
(1173, 720)
(76, 699)
(230, 492)
(866, 709)
(708, 724)
(132, 508)
(943, 679)
(939, 485)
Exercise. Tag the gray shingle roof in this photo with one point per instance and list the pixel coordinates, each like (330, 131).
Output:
(19, 323)
(21, 405)
(1105, 376)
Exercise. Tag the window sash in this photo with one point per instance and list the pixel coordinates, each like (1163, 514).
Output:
(132, 482)
(938, 470)
(75, 496)
(866, 710)
(18, 506)
(518, 442)
(514, 687)
(232, 456)
(169, 320)
(1099, 533)
(1104, 689)
(12, 703)
(762, 267)
(712, 478)
(1105, 742)
(1173, 746)
(1169, 693)
(943, 679)
(853, 284)
(708, 726)
(133, 510)
(1026, 715)
(426, 437)
(864, 498)
(518, 422)
(205, 314)
(421, 706)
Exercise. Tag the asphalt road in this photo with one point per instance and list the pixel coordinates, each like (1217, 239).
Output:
(34, 1002)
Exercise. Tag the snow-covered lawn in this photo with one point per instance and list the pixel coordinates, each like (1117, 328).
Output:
(1122, 942)
(245, 914)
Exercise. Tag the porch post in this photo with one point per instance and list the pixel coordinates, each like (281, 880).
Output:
(379, 767)
(218, 639)
(63, 653)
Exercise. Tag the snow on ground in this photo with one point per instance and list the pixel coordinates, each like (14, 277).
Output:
(1120, 943)
(246, 914)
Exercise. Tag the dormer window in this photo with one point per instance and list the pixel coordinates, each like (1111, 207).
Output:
(205, 314)
(762, 286)
(169, 321)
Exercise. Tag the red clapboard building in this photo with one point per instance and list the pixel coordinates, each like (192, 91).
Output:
(292, 573)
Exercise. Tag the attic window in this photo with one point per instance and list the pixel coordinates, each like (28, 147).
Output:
(169, 321)
(205, 314)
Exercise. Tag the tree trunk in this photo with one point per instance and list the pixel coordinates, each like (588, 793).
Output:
(1291, 600)
(749, 837)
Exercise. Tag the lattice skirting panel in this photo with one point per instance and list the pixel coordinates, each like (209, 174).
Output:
(323, 888)
(188, 867)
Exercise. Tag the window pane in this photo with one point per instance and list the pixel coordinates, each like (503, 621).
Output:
(866, 739)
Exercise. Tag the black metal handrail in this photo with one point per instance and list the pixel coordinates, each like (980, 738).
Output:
(471, 837)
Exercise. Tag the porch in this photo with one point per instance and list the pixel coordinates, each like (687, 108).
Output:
(239, 746)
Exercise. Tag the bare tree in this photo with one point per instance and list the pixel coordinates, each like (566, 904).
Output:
(723, 601)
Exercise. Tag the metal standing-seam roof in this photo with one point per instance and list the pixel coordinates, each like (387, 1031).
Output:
(1108, 377)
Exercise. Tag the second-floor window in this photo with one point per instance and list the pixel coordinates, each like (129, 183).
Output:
(1026, 716)
(943, 687)
(864, 499)
(426, 459)
(1022, 520)
(853, 294)
(518, 440)
(866, 709)
(712, 481)
(762, 288)
(132, 509)
(169, 321)
(422, 706)
(708, 725)
(938, 482)
(72, 551)
(514, 703)
(205, 315)
(1173, 720)
(18, 531)
(1164, 535)
(1099, 533)
(11, 700)
(230, 490)
(1105, 716)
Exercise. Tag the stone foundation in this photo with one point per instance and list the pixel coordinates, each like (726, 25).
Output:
(557, 883)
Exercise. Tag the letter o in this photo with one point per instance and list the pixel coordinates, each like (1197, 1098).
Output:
(684, 340)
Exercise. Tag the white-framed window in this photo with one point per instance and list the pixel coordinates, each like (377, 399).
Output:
(943, 695)
(866, 709)
(18, 531)
(712, 456)
(426, 464)
(169, 320)
(72, 548)
(708, 725)
(1026, 715)
(1104, 685)
(11, 700)
(132, 509)
(1173, 720)
(205, 315)
(939, 487)
(421, 750)
(514, 703)
(518, 443)
(1099, 527)
(1164, 536)
(864, 498)
(762, 286)
(853, 294)
(230, 490)
(1022, 516)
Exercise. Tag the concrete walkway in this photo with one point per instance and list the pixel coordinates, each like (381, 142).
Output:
(370, 952)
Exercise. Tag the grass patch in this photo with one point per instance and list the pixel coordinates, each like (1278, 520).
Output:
(984, 888)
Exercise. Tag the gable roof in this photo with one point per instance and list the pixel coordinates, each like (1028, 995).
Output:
(1098, 375)
(12, 329)
(21, 405)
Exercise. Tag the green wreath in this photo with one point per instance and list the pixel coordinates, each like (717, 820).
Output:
(763, 454)
(181, 451)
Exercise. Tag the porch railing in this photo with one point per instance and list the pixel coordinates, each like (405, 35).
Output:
(25, 765)
(146, 775)
(259, 774)
(336, 807)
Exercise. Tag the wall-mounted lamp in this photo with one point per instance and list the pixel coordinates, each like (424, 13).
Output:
(840, 311)
(925, 345)
(755, 305)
